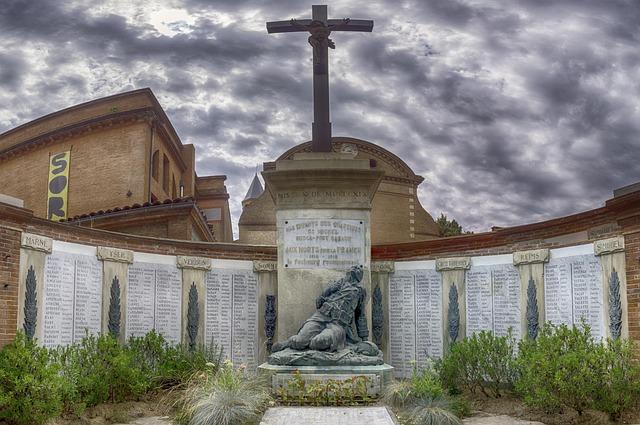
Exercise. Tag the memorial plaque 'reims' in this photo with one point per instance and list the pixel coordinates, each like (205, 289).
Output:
(323, 243)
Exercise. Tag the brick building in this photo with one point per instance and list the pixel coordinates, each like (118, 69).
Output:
(128, 171)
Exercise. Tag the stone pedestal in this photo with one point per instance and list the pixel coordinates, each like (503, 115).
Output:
(323, 208)
(378, 377)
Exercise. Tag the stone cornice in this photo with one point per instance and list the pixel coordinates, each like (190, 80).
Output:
(531, 257)
(265, 266)
(453, 263)
(36, 242)
(609, 246)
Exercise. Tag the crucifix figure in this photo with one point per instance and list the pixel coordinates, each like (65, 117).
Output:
(320, 28)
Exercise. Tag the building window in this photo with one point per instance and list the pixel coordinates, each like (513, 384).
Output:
(174, 189)
(165, 174)
(155, 164)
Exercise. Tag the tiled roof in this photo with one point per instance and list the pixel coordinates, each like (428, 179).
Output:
(133, 207)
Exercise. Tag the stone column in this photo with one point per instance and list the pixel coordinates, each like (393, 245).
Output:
(612, 258)
(530, 265)
(33, 254)
(267, 287)
(380, 271)
(313, 189)
(194, 270)
(115, 268)
(453, 273)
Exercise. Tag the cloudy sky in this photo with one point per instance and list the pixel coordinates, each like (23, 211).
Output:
(514, 111)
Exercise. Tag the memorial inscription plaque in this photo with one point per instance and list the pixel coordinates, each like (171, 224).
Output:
(323, 243)
(231, 314)
(479, 300)
(415, 319)
(168, 305)
(88, 297)
(493, 300)
(72, 298)
(506, 300)
(154, 301)
(573, 292)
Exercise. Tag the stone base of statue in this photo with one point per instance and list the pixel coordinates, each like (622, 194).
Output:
(378, 376)
(360, 354)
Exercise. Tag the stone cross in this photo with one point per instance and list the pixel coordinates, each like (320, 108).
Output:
(320, 28)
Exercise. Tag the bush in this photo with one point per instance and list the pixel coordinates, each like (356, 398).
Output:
(223, 396)
(421, 400)
(482, 362)
(167, 365)
(98, 369)
(562, 367)
(30, 386)
(620, 383)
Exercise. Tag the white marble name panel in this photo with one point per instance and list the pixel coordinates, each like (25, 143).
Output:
(479, 300)
(493, 300)
(323, 243)
(415, 319)
(231, 314)
(72, 298)
(154, 301)
(573, 292)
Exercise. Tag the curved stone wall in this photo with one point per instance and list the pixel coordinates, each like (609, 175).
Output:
(499, 276)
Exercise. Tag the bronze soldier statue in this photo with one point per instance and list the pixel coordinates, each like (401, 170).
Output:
(339, 308)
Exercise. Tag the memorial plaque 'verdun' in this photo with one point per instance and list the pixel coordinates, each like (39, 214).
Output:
(320, 28)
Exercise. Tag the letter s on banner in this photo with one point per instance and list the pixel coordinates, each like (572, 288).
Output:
(58, 187)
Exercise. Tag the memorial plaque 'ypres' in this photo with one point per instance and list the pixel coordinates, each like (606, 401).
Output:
(323, 243)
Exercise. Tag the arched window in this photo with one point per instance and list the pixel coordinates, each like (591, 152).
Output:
(155, 164)
(165, 173)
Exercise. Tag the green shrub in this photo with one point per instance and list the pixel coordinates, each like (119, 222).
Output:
(30, 386)
(620, 378)
(432, 412)
(223, 397)
(483, 362)
(561, 367)
(99, 369)
(421, 400)
(167, 365)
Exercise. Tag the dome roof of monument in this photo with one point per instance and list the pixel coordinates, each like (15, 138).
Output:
(394, 167)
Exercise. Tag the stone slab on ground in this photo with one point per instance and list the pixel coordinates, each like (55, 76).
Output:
(497, 420)
(327, 416)
(155, 420)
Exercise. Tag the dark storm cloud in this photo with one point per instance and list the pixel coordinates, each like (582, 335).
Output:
(12, 69)
(513, 111)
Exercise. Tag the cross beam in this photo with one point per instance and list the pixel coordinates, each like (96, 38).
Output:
(320, 28)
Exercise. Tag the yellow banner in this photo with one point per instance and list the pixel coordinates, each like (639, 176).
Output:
(58, 186)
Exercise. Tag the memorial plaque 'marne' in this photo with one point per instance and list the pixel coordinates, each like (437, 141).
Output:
(323, 243)
(72, 298)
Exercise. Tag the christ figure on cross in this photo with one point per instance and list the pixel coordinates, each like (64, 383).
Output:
(320, 29)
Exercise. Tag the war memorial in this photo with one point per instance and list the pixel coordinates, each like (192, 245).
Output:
(312, 291)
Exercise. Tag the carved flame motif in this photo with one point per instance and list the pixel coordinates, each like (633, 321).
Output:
(453, 314)
(270, 320)
(114, 308)
(532, 310)
(615, 306)
(30, 304)
(193, 316)
(377, 316)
